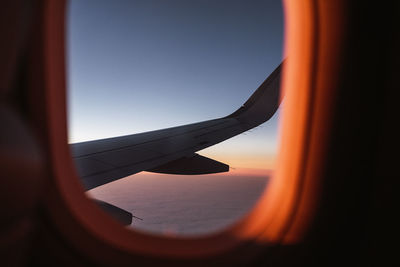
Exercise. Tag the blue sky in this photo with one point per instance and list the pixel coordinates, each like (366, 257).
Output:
(135, 66)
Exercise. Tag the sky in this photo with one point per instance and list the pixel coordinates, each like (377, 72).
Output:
(135, 66)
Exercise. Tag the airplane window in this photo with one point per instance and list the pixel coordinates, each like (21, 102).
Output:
(173, 108)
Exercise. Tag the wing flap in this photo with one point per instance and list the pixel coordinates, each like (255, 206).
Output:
(195, 164)
(122, 216)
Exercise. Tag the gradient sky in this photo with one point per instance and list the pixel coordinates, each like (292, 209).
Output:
(135, 66)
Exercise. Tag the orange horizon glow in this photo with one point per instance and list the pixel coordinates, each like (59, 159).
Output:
(249, 160)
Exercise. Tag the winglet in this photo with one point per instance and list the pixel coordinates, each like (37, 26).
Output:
(263, 103)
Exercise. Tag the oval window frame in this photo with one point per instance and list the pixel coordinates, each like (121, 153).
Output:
(285, 210)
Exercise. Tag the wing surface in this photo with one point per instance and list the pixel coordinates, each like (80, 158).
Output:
(103, 161)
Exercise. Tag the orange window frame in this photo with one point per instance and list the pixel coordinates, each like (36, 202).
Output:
(313, 31)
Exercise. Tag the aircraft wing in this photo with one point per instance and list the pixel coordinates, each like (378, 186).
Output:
(172, 150)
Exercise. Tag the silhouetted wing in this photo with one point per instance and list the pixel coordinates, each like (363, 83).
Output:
(173, 150)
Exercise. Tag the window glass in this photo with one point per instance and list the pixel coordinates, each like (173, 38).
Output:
(138, 66)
